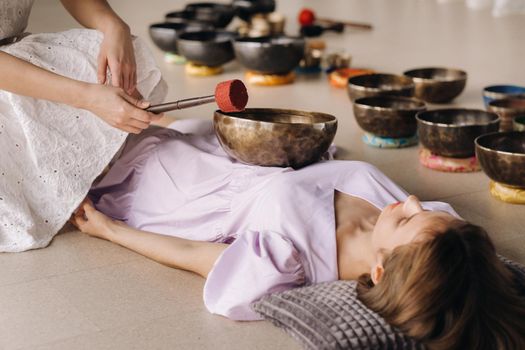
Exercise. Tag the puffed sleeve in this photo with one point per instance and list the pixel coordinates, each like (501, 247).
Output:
(256, 263)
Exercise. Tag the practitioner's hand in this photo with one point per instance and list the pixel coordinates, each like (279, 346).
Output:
(118, 109)
(88, 220)
(117, 54)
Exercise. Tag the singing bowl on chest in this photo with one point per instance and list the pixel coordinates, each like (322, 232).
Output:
(275, 137)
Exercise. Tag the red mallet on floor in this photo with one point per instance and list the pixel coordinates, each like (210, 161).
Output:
(307, 17)
(230, 96)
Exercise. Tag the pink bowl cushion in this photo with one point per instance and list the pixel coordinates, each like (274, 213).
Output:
(447, 164)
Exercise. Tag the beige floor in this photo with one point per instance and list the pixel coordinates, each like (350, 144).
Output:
(84, 293)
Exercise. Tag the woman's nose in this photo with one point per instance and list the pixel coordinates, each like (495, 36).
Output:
(412, 206)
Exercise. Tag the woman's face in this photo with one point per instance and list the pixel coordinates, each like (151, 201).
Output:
(405, 222)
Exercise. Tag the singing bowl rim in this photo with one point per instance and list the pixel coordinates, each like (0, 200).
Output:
(496, 95)
(443, 125)
(421, 105)
(351, 82)
(331, 119)
(261, 41)
(501, 133)
(463, 75)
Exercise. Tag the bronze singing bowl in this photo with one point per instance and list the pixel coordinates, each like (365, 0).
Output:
(275, 137)
(502, 157)
(451, 132)
(437, 85)
(388, 116)
(378, 84)
(507, 109)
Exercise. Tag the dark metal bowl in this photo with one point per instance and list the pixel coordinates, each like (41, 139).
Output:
(183, 16)
(451, 132)
(219, 15)
(207, 48)
(437, 85)
(388, 116)
(270, 55)
(247, 8)
(164, 35)
(378, 84)
(502, 157)
(507, 109)
(275, 137)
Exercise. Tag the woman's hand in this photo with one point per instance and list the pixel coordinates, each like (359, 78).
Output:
(117, 108)
(88, 220)
(117, 54)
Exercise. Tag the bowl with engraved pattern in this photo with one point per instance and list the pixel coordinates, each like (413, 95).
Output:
(502, 157)
(275, 137)
(451, 132)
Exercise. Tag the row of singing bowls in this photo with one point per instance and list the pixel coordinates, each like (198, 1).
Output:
(434, 85)
(451, 132)
(379, 84)
(207, 48)
(220, 15)
(437, 85)
(388, 116)
(267, 55)
(502, 157)
(275, 137)
(508, 109)
(270, 55)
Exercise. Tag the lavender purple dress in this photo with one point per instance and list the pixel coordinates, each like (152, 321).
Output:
(279, 222)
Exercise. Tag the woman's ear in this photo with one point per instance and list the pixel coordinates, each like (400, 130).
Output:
(377, 273)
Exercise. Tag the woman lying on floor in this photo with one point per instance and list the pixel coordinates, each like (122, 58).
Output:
(178, 199)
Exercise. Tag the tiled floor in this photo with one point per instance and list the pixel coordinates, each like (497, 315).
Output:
(84, 293)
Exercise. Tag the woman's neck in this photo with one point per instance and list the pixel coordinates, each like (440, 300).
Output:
(355, 221)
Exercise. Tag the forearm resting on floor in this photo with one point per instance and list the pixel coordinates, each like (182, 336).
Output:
(194, 256)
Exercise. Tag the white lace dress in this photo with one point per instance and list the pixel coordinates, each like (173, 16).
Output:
(50, 153)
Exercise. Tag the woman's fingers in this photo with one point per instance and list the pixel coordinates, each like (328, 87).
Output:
(126, 81)
(102, 69)
(131, 129)
(133, 80)
(138, 124)
(116, 75)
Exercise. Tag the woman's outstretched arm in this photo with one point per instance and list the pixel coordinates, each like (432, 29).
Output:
(111, 104)
(194, 256)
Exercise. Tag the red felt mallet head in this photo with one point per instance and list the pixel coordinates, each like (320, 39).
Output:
(306, 17)
(231, 96)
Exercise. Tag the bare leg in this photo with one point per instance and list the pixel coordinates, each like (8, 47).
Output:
(195, 256)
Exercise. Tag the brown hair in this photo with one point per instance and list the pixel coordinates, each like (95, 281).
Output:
(450, 292)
